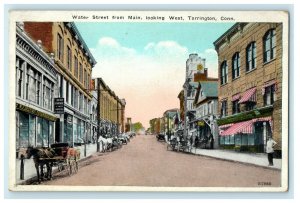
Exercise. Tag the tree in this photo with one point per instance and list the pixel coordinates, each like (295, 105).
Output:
(137, 126)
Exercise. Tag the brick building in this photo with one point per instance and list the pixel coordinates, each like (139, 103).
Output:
(250, 86)
(73, 62)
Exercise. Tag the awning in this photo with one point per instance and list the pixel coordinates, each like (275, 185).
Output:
(236, 97)
(249, 95)
(242, 127)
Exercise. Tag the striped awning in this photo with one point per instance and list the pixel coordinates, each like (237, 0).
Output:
(236, 97)
(245, 127)
(249, 95)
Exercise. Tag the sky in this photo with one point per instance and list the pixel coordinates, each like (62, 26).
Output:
(145, 62)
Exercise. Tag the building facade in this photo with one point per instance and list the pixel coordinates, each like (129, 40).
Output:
(206, 105)
(35, 88)
(250, 86)
(73, 62)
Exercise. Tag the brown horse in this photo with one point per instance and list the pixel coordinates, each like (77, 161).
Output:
(41, 157)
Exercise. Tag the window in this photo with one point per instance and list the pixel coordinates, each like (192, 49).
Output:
(236, 63)
(224, 73)
(69, 60)
(224, 108)
(250, 105)
(19, 76)
(251, 56)
(269, 45)
(48, 93)
(60, 47)
(85, 79)
(235, 107)
(88, 82)
(80, 72)
(269, 95)
(76, 66)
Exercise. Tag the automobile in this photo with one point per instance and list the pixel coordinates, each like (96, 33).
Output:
(160, 137)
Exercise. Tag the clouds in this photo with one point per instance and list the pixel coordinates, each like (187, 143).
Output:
(149, 79)
(211, 57)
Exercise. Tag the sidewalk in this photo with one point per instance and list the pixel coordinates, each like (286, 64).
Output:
(258, 159)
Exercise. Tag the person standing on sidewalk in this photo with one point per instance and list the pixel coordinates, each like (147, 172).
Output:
(270, 150)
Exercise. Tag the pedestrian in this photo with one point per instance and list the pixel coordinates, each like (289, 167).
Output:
(270, 150)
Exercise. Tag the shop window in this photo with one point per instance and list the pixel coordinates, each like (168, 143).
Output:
(238, 139)
(32, 121)
(236, 64)
(45, 133)
(227, 140)
(39, 135)
(231, 137)
(245, 139)
(251, 56)
(23, 129)
(269, 96)
(224, 73)
(251, 139)
(269, 45)
(235, 107)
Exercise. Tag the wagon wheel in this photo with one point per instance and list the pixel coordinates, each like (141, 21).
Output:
(60, 167)
(69, 167)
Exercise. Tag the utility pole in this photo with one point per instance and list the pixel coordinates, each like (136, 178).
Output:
(98, 113)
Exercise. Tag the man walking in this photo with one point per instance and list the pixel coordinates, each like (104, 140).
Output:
(270, 150)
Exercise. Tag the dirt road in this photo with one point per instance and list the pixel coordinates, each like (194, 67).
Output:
(146, 162)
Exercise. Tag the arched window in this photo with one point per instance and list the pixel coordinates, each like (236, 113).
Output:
(236, 63)
(269, 45)
(251, 56)
(224, 73)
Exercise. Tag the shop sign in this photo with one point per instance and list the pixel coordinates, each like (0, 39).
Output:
(59, 104)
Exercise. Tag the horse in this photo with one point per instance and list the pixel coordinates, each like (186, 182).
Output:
(41, 157)
(105, 142)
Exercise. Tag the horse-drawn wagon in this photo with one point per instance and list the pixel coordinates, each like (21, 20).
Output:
(59, 155)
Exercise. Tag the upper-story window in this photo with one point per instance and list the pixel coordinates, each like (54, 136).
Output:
(80, 72)
(76, 66)
(69, 58)
(223, 108)
(269, 45)
(85, 78)
(19, 76)
(48, 89)
(235, 107)
(224, 73)
(251, 56)
(236, 64)
(60, 47)
(269, 95)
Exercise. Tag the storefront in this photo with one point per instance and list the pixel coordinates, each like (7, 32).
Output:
(250, 135)
(33, 127)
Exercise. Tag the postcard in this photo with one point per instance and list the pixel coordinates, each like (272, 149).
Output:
(148, 101)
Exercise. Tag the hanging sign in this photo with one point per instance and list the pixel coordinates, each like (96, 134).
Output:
(59, 104)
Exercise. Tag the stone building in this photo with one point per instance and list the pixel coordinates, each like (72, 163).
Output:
(36, 86)
(250, 86)
(74, 63)
(112, 109)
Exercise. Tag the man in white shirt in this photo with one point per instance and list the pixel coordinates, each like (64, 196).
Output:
(270, 150)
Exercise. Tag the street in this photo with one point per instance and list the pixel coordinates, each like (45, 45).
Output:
(146, 162)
